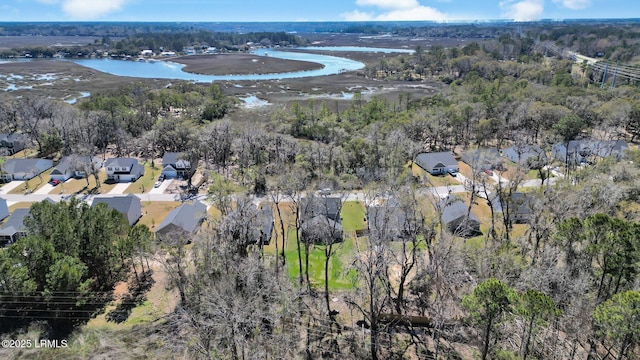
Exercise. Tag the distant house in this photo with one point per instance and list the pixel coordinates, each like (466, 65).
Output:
(483, 159)
(129, 206)
(519, 206)
(320, 217)
(521, 154)
(12, 143)
(4, 209)
(387, 221)
(14, 228)
(265, 220)
(123, 169)
(74, 166)
(175, 166)
(437, 163)
(211, 50)
(168, 53)
(457, 218)
(183, 220)
(23, 169)
(588, 150)
(146, 53)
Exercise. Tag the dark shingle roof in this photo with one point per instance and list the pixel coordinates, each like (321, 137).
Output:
(123, 204)
(429, 161)
(15, 223)
(174, 158)
(120, 162)
(186, 216)
(453, 210)
(327, 206)
(16, 166)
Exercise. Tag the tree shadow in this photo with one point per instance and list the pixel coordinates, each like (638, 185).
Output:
(135, 296)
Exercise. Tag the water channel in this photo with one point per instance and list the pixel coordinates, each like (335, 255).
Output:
(171, 70)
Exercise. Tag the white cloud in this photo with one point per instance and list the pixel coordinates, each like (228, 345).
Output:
(87, 10)
(394, 10)
(574, 4)
(356, 15)
(389, 4)
(417, 13)
(523, 10)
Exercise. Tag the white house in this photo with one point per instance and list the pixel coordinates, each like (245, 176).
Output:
(174, 166)
(123, 169)
(24, 169)
(74, 166)
(146, 53)
(437, 163)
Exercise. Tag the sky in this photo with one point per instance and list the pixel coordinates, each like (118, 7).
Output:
(312, 10)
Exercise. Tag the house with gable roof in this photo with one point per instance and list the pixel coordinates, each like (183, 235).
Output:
(182, 221)
(123, 169)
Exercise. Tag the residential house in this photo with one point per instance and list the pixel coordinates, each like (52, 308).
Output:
(522, 154)
(123, 169)
(4, 209)
(23, 169)
(519, 206)
(457, 219)
(483, 159)
(387, 220)
(146, 53)
(14, 228)
(174, 165)
(588, 150)
(437, 163)
(74, 166)
(320, 217)
(12, 143)
(266, 223)
(182, 221)
(129, 206)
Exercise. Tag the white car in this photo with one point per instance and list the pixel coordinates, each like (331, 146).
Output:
(157, 184)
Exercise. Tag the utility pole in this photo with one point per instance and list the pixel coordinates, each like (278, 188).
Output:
(615, 74)
(604, 75)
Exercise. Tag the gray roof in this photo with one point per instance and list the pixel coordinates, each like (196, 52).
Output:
(10, 138)
(522, 153)
(18, 166)
(15, 223)
(72, 163)
(4, 209)
(429, 161)
(126, 205)
(327, 206)
(186, 216)
(518, 199)
(120, 162)
(482, 158)
(266, 217)
(175, 158)
(391, 218)
(453, 210)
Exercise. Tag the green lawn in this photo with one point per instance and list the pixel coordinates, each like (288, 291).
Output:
(340, 276)
(353, 216)
(145, 183)
(32, 185)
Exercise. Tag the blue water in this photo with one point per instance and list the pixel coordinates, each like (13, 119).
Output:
(170, 70)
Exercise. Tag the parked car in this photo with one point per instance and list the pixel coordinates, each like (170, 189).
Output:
(157, 184)
(161, 177)
(452, 172)
(489, 172)
(55, 182)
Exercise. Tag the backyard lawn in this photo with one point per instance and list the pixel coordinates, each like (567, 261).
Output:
(153, 212)
(440, 180)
